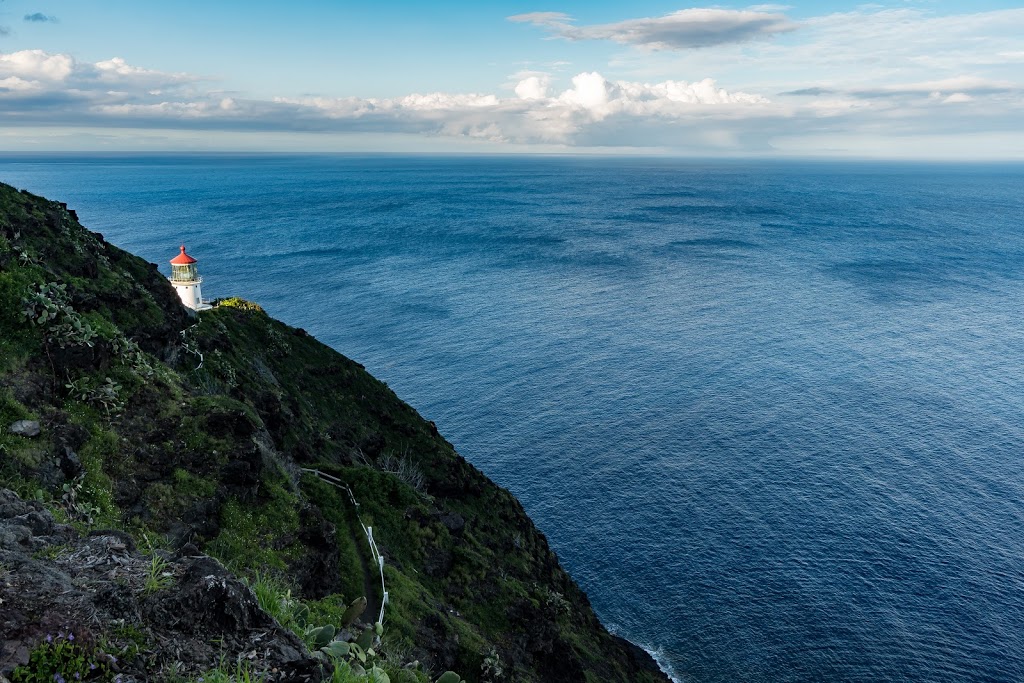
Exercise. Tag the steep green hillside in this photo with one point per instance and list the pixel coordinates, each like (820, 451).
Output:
(235, 435)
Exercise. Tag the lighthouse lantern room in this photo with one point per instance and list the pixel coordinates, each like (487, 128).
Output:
(186, 281)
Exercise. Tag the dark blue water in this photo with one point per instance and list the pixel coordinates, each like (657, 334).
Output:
(770, 415)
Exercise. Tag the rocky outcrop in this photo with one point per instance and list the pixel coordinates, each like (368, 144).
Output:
(158, 614)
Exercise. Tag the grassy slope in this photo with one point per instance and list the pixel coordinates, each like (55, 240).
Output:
(215, 455)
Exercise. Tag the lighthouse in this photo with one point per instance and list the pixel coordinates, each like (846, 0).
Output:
(187, 282)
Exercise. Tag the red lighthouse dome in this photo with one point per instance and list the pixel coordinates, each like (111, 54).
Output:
(182, 259)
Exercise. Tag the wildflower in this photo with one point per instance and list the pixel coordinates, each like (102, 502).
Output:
(92, 666)
(49, 638)
(78, 676)
(71, 637)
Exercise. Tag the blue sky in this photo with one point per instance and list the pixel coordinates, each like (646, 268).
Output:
(899, 79)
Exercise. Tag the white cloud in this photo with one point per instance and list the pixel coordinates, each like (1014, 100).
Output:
(36, 64)
(589, 91)
(118, 66)
(683, 29)
(40, 71)
(533, 87)
(444, 101)
(17, 83)
(958, 97)
(700, 92)
(176, 110)
(535, 114)
(117, 70)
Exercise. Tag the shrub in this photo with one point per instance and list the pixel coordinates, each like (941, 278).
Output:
(62, 659)
(241, 304)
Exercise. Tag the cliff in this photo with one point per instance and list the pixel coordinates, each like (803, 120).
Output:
(195, 500)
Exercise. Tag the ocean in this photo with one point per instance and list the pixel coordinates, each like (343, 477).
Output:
(769, 414)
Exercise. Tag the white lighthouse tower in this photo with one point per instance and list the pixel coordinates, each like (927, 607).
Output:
(187, 282)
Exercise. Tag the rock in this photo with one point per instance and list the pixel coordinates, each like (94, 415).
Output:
(14, 536)
(214, 600)
(453, 521)
(26, 428)
(188, 550)
(115, 540)
(15, 508)
(40, 524)
(70, 463)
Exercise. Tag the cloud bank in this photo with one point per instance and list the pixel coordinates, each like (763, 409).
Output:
(869, 82)
(56, 90)
(681, 30)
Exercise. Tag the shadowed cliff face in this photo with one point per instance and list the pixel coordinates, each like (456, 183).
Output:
(233, 434)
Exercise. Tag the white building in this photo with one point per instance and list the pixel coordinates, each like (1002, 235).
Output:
(187, 282)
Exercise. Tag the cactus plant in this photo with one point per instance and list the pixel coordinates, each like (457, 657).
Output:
(321, 636)
(450, 677)
(338, 649)
(365, 639)
(301, 616)
(354, 611)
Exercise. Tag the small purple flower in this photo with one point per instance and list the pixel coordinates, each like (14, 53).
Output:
(92, 666)
(58, 678)
(71, 637)
(49, 638)
(78, 676)
(113, 659)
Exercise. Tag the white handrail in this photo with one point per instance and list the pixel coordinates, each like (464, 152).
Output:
(375, 553)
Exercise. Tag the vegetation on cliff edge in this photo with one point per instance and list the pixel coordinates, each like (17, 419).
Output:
(233, 434)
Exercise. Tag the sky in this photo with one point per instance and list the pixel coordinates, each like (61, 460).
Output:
(901, 79)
